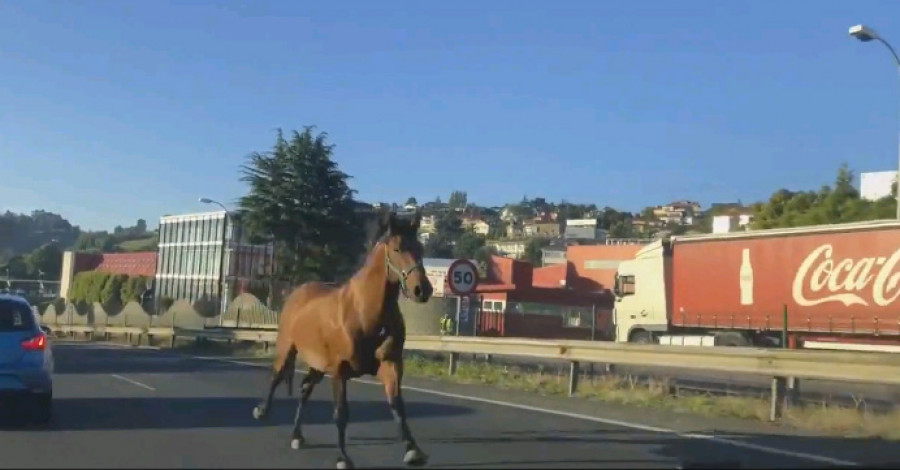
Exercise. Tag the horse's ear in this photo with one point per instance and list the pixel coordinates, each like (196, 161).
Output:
(392, 225)
(384, 222)
(417, 221)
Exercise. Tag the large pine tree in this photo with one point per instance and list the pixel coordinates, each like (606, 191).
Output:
(301, 200)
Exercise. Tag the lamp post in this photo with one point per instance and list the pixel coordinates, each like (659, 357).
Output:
(866, 34)
(222, 285)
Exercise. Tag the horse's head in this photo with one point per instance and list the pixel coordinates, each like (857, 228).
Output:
(403, 255)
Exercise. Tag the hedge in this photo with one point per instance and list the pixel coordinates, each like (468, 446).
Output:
(133, 288)
(89, 287)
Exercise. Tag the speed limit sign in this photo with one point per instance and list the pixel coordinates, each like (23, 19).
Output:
(462, 277)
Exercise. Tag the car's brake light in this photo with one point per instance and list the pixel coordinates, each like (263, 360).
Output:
(38, 343)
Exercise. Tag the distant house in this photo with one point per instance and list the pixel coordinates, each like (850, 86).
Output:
(732, 220)
(646, 226)
(515, 230)
(476, 224)
(427, 224)
(678, 212)
(541, 229)
(509, 248)
(583, 229)
(552, 255)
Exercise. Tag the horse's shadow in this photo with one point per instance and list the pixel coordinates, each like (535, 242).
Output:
(81, 414)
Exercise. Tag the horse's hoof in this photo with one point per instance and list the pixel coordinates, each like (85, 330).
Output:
(343, 464)
(415, 458)
(258, 412)
(297, 442)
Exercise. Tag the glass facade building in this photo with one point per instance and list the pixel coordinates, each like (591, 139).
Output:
(189, 262)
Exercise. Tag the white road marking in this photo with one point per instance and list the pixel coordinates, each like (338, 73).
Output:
(133, 382)
(596, 419)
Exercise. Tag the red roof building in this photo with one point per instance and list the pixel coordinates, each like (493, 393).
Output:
(131, 264)
(521, 301)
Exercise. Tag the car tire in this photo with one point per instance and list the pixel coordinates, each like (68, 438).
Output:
(43, 412)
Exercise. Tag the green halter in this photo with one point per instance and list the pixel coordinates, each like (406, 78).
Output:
(402, 274)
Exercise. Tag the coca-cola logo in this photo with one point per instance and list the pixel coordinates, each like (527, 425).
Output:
(830, 280)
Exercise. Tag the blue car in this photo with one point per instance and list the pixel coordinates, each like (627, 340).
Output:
(26, 360)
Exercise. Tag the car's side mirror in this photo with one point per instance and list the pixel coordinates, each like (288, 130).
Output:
(46, 329)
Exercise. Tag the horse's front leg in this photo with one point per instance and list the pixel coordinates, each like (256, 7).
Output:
(341, 417)
(390, 372)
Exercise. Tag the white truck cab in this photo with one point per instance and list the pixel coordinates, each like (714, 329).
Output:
(642, 294)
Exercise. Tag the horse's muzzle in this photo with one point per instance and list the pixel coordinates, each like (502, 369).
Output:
(422, 293)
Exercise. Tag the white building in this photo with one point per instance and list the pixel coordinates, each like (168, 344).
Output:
(730, 223)
(875, 185)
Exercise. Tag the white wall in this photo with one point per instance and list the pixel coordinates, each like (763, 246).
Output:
(730, 223)
(875, 185)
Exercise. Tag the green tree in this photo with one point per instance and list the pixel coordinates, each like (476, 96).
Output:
(533, 252)
(16, 267)
(46, 259)
(458, 200)
(483, 259)
(647, 213)
(622, 229)
(829, 205)
(299, 199)
(468, 245)
(609, 217)
(23, 233)
(498, 229)
(447, 231)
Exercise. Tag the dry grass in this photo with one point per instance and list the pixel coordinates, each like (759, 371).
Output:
(625, 390)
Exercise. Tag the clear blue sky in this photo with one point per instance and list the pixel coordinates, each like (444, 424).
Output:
(114, 110)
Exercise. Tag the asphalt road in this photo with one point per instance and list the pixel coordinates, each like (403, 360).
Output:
(126, 407)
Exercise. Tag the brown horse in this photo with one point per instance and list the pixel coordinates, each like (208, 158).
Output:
(354, 329)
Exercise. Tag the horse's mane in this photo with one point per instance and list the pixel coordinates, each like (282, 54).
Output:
(378, 230)
(402, 225)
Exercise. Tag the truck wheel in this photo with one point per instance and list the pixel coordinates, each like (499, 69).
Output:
(732, 339)
(641, 337)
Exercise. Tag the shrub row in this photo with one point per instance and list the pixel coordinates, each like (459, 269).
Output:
(93, 286)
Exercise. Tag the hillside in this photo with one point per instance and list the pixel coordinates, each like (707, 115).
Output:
(140, 244)
(31, 244)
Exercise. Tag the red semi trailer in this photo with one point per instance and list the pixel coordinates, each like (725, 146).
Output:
(838, 284)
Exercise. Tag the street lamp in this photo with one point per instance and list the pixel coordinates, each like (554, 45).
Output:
(222, 284)
(206, 200)
(866, 34)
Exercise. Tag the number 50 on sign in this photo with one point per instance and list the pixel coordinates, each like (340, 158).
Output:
(463, 277)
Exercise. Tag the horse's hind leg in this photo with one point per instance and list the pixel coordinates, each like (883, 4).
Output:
(289, 383)
(313, 377)
(283, 368)
(341, 417)
(391, 373)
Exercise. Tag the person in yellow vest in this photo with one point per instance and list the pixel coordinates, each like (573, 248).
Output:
(446, 324)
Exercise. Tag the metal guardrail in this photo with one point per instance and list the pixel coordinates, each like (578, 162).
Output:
(780, 364)
(881, 368)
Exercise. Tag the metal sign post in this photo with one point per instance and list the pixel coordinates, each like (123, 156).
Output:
(462, 277)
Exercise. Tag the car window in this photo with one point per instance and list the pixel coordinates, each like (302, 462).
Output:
(15, 317)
